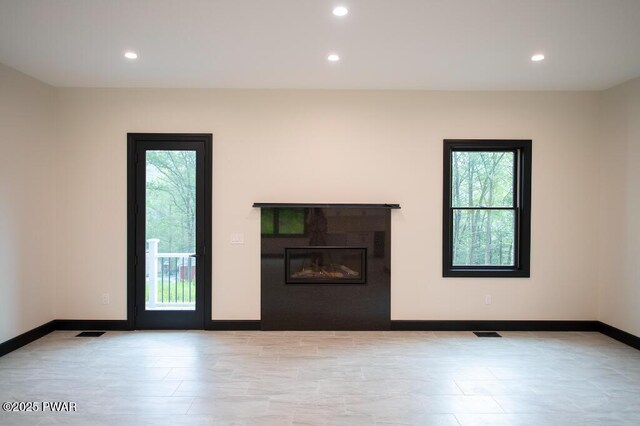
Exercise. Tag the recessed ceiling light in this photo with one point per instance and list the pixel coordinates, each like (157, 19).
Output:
(131, 55)
(333, 58)
(340, 11)
(537, 57)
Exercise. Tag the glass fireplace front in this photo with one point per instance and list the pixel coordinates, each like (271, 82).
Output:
(326, 265)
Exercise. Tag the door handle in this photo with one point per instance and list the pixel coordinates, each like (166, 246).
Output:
(197, 255)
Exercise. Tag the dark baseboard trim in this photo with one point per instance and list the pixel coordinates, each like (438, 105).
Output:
(26, 338)
(234, 325)
(619, 335)
(399, 325)
(498, 325)
(105, 325)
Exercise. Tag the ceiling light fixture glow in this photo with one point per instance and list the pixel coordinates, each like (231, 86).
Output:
(537, 57)
(131, 55)
(340, 11)
(333, 58)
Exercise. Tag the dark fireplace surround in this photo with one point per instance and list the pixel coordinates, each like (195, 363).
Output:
(325, 266)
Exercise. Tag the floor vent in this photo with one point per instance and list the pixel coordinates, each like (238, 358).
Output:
(486, 334)
(91, 334)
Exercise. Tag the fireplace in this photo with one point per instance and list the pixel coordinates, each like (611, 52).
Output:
(325, 266)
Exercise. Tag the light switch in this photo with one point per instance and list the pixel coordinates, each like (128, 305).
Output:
(237, 238)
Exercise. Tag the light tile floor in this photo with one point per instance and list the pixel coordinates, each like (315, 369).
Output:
(315, 378)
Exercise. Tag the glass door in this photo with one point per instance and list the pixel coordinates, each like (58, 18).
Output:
(170, 211)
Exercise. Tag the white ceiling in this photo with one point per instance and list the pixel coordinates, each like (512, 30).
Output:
(384, 44)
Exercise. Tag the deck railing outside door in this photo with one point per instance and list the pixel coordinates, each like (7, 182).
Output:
(171, 278)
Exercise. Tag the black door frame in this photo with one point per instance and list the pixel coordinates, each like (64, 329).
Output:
(133, 261)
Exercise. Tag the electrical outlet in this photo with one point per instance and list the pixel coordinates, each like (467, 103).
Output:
(487, 299)
(105, 299)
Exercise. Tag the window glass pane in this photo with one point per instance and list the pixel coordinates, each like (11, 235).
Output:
(170, 230)
(267, 221)
(483, 237)
(482, 179)
(291, 221)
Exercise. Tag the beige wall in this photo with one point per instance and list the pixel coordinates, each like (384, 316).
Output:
(27, 197)
(334, 146)
(63, 192)
(620, 208)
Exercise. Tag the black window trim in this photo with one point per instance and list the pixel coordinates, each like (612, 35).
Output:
(522, 183)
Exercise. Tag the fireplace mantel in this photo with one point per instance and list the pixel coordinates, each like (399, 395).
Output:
(326, 206)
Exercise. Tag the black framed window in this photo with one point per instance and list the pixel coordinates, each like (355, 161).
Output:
(283, 222)
(486, 208)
